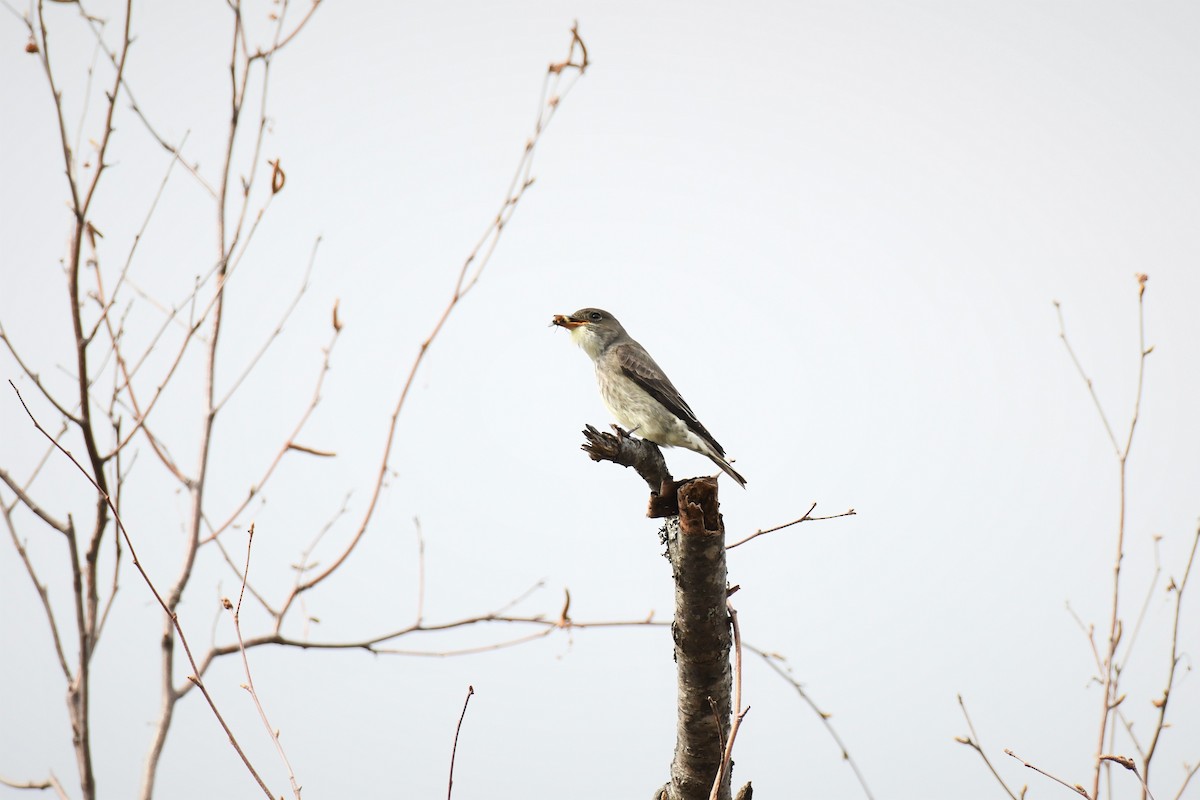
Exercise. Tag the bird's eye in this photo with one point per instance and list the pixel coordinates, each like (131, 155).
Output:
(594, 316)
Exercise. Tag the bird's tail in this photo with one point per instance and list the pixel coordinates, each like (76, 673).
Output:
(729, 470)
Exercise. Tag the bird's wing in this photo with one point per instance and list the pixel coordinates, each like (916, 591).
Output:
(639, 367)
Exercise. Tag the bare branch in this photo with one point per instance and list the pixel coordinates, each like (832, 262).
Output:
(49, 783)
(249, 685)
(30, 503)
(454, 749)
(806, 518)
(119, 483)
(1077, 788)
(106, 307)
(44, 56)
(1163, 702)
(469, 274)
(106, 137)
(1127, 763)
(141, 415)
(23, 20)
(305, 562)
(1143, 351)
(642, 455)
(1141, 618)
(547, 625)
(37, 380)
(727, 758)
(282, 40)
(779, 666)
(288, 445)
(1062, 334)
(1191, 773)
(1089, 631)
(973, 742)
(1109, 669)
(65, 426)
(174, 618)
(174, 150)
(250, 365)
(40, 588)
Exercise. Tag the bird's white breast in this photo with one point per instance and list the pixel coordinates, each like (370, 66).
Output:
(636, 410)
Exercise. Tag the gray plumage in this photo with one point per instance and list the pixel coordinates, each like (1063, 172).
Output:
(636, 390)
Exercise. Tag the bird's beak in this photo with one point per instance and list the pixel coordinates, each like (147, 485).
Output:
(564, 321)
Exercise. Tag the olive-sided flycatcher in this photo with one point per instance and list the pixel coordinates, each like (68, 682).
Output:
(636, 390)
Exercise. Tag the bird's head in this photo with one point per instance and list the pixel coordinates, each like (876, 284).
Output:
(593, 329)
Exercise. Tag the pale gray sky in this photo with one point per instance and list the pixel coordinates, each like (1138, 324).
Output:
(840, 227)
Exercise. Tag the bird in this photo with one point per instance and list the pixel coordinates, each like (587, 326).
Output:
(636, 390)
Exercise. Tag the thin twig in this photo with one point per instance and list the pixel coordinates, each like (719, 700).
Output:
(1127, 763)
(119, 477)
(1062, 334)
(87, 98)
(1141, 618)
(1073, 787)
(712, 704)
(20, 17)
(973, 742)
(727, 757)
(305, 563)
(454, 749)
(1143, 351)
(40, 588)
(49, 783)
(522, 597)
(1191, 773)
(105, 307)
(174, 150)
(289, 445)
(1163, 702)
(30, 504)
(249, 685)
(774, 660)
(806, 518)
(237, 570)
(545, 623)
(45, 457)
(1128, 724)
(36, 378)
(141, 414)
(1109, 668)
(1089, 632)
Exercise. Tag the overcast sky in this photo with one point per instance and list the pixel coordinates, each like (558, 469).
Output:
(839, 226)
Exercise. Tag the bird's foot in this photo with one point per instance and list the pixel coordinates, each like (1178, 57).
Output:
(622, 433)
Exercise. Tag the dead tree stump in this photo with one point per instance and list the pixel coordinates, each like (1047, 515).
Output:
(694, 535)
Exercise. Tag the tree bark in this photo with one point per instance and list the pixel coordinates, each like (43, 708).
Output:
(696, 548)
